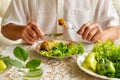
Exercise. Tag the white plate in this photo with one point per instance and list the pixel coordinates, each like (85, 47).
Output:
(80, 60)
(36, 46)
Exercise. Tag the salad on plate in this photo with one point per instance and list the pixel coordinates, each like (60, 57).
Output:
(58, 48)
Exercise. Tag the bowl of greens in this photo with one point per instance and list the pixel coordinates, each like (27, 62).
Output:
(103, 61)
(58, 48)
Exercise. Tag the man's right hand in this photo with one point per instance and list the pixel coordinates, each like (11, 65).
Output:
(31, 33)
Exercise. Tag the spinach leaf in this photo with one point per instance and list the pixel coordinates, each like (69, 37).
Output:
(15, 63)
(34, 73)
(34, 63)
(20, 53)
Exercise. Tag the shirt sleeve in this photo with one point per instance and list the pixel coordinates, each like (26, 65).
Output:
(15, 13)
(105, 14)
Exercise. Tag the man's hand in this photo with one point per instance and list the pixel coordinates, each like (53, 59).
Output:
(91, 32)
(31, 33)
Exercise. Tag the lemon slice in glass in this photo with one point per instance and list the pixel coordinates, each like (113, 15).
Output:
(2, 66)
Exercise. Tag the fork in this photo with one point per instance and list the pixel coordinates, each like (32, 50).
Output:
(71, 26)
(54, 35)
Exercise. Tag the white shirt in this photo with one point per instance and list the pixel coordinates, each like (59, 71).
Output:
(46, 12)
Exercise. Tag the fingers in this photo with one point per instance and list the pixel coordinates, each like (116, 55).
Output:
(96, 37)
(31, 33)
(83, 28)
(27, 38)
(91, 29)
(91, 32)
(36, 28)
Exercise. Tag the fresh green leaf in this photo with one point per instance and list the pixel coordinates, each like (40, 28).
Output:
(35, 73)
(0, 55)
(34, 63)
(72, 49)
(12, 62)
(6, 59)
(80, 48)
(16, 63)
(111, 52)
(31, 65)
(20, 53)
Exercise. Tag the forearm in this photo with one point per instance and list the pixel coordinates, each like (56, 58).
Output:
(111, 33)
(12, 31)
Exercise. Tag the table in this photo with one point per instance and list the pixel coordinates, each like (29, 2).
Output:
(54, 69)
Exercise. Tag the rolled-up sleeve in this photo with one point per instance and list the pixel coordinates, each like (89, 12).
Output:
(15, 13)
(106, 14)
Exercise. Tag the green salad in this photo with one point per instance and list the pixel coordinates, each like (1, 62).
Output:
(105, 61)
(61, 49)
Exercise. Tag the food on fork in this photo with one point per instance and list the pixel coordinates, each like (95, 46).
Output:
(66, 24)
(62, 22)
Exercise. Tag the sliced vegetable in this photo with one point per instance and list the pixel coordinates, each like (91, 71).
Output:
(90, 62)
(2, 65)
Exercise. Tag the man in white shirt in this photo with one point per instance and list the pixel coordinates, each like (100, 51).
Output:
(31, 19)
